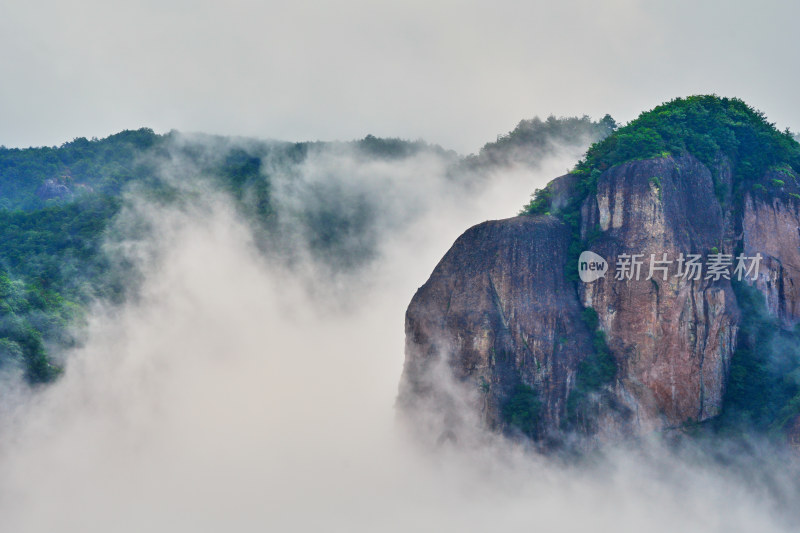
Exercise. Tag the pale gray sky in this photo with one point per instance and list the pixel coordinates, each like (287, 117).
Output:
(454, 73)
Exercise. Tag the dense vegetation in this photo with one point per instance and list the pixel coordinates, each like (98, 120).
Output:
(522, 410)
(58, 206)
(35, 178)
(597, 370)
(55, 207)
(532, 140)
(707, 127)
(763, 392)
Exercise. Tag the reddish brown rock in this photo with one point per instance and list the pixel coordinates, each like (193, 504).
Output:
(770, 227)
(672, 338)
(501, 311)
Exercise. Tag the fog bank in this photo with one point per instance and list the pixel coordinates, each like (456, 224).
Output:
(237, 394)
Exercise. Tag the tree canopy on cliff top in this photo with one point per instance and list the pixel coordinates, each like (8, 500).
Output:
(703, 126)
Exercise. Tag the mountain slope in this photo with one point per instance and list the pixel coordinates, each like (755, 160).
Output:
(59, 206)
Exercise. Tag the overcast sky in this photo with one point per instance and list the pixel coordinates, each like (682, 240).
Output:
(454, 73)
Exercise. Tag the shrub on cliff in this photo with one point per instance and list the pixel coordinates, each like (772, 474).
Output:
(522, 409)
(596, 371)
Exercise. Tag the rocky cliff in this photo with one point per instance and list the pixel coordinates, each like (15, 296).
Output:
(672, 336)
(506, 313)
(499, 309)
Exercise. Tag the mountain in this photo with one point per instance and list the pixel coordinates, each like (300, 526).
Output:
(543, 355)
(61, 207)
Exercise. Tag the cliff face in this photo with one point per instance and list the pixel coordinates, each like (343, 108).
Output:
(770, 226)
(500, 310)
(672, 338)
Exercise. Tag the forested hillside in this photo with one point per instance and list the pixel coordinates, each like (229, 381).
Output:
(58, 204)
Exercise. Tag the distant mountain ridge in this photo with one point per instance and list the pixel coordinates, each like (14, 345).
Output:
(58, 206)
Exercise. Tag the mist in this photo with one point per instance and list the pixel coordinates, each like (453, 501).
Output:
(244, 391)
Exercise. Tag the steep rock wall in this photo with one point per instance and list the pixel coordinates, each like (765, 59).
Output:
(672, 338)
(501, 310)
